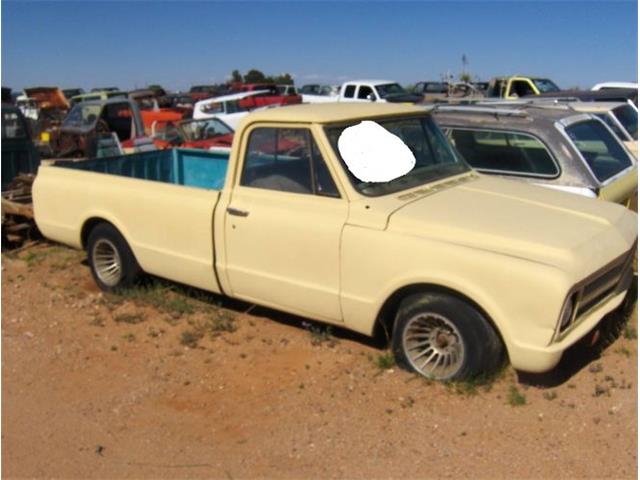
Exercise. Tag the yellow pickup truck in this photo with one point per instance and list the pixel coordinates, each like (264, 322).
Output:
(459, 268)
(519, 86)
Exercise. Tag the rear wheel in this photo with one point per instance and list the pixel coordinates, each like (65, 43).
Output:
(443, 337)
(112, 263)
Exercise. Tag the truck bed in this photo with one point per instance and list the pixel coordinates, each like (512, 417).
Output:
(180, 166)
(161, 201)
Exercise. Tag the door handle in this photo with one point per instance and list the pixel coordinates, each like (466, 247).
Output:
(237, 213)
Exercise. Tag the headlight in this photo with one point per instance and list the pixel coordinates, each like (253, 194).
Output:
(566, 314)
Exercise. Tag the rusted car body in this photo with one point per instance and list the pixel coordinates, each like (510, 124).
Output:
(201, 92)
(99, 128)
(51, 107)
(151, 111)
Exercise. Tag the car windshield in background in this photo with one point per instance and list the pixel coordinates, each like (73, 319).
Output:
(435, 159)
(197, 130)
(628, 117)
(436, 88)
(82, 116)
(390, 89)
(545, 85)
(613, 125)
(600, 149)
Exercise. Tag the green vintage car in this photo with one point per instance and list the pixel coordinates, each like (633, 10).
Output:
(19, 155)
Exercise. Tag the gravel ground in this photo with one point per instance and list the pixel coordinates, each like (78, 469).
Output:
(169, 383)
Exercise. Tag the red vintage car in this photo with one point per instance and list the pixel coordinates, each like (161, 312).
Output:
(202, 134)
(269, 96)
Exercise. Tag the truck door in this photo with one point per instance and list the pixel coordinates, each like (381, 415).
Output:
(283, 225)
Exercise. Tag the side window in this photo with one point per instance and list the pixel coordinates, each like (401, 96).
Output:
(288, 160)
(213, 108)
(504, 152)
(349, 91)
(364, 92)
(521, 88)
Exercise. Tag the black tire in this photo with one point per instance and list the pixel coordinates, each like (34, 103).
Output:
(442, 337)
(112, 262)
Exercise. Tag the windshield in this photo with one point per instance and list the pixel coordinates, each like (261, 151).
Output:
(435, 159)
(628, 117)
(82, 116)
(545, 85)
(390, 89)
(197, 130)
(599, 148)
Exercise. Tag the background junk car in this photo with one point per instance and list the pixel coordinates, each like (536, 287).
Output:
(101, 128)
(416, 256)
(553, 147)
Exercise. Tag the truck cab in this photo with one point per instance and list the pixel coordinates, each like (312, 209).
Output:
(519, 86)
(382, 91)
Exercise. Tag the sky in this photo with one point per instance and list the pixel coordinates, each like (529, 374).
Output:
(130, 44)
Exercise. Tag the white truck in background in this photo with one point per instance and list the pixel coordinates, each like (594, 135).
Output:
(382, 91)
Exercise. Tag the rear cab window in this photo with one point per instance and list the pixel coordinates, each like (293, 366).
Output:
(599, 148)
(509, 153)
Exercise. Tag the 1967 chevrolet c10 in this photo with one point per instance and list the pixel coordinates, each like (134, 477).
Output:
(458, 266)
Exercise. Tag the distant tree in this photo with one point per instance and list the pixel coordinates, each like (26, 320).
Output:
(236, 76)
(283, 79)
(465, 77)
(254, 76)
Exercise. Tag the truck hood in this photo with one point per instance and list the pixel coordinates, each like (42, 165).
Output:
(403, 98)
(563, 230)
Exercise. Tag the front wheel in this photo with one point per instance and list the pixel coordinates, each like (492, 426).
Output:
(112, 262)
(442, 337)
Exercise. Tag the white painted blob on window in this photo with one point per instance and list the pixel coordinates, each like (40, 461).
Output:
(374, 154)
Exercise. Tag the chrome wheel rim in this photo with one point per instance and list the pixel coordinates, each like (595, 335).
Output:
(106, 262)
(433, 345)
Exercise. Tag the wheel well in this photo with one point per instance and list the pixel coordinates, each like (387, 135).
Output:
(88, 226)
(383, 328)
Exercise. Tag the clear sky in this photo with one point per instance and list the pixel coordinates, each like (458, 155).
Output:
(177, 44)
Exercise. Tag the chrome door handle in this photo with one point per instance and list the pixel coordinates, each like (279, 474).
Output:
(237, 213)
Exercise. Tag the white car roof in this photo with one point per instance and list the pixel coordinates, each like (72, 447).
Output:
(602, 85)
(234, 96)
(595, 106)
(370, 82)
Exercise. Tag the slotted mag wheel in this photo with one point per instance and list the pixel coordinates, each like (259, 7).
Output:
(433, 346)
(106, 262)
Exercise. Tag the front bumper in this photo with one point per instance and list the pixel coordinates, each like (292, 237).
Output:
(537, 359)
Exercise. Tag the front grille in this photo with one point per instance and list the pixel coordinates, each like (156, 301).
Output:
(604, 283)
(597, 288)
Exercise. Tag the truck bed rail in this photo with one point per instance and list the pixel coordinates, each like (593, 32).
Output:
(180, 166)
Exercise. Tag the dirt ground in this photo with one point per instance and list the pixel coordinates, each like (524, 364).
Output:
(171, 383)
